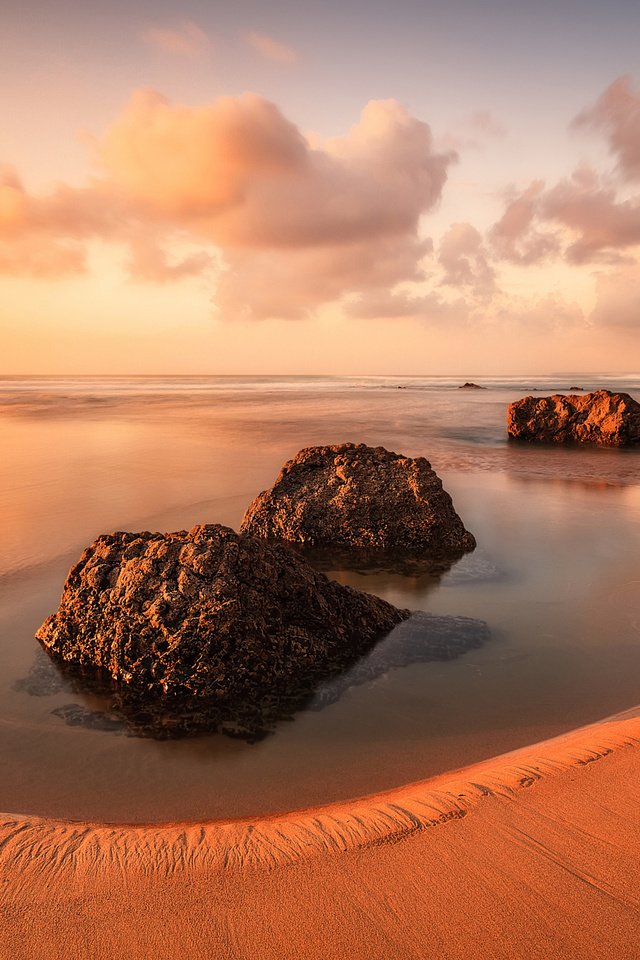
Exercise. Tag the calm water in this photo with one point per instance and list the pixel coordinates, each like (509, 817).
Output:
(555, 577)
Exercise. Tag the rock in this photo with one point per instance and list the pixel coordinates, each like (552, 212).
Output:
(610, 419)
(358, 496)
(422, 638)
(471, 386)
(576, 389)
(208, 613)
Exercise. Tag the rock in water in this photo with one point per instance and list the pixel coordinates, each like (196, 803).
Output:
(610, 419)
(358, 496)
(208, 613)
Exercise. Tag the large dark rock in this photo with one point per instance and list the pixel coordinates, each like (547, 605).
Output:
(610, 419)
(117, 709)
(208, 613)
(358, 496)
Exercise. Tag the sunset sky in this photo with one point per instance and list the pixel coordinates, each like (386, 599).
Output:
(337, 187)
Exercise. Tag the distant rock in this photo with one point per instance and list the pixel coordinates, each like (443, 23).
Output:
(471, 386)
(602, 417)
(576, 389)
(358, 496)
(208, 613)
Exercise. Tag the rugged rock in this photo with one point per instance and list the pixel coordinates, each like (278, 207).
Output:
(208, 613)
(471, 386)
(358, 496)
(422, 638)
(610, 419)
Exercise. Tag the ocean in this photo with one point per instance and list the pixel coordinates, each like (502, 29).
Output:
(554, 576)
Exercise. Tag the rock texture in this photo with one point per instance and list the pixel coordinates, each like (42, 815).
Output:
(610, 419)
(113, 709)
(208, 613)
(358, 496)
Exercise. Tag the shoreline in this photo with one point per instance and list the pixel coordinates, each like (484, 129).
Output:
(466, 865)
(339, 826)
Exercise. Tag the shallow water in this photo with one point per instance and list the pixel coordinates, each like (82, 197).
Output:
(555, 577)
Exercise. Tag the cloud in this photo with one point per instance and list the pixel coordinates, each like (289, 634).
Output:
(45, 236)
(603, 224)
(580, 218)
(272, 49)
(187, 40)
(465, 260)
(516, 236)
(584, 217)
(41, 257)
(196, 162)
(297, 224)
(617, 113)
(293, 282)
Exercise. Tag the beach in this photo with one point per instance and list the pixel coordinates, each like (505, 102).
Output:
(497, 812)
(532, 854)
(320, 481)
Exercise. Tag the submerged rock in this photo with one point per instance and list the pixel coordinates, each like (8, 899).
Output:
(208, 613)
(358, 496)
(610, 419)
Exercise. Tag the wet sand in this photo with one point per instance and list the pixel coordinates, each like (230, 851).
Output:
(532, 854)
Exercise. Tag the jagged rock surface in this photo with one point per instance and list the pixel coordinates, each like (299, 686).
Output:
(207, 613)
(358, 496)
(610, 419)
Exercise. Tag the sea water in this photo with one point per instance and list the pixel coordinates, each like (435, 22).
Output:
(555, 577)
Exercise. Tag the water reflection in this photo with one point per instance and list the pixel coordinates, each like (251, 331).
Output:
(422, 566)
(116, 708)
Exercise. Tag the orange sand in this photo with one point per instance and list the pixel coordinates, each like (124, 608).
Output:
(467, 865)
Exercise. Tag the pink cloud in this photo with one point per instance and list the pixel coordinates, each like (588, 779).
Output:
(195, 162)
(272, 49)
(465, 260)
(617, 113)
(579, 218)
(298, 225)
(44, 236)
(516, 237)
(42, 257)
(186, 39)
(600, 223)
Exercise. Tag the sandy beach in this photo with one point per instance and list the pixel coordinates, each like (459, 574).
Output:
(320, 480)
(532, 854)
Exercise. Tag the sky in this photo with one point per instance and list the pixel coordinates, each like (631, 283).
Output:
(305, 188)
